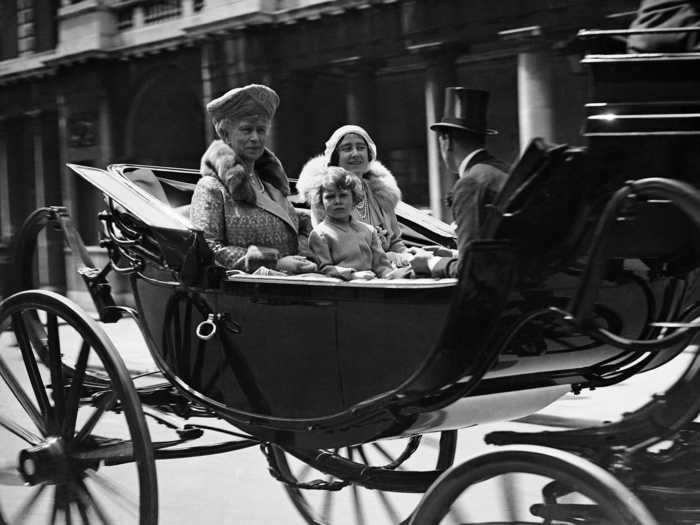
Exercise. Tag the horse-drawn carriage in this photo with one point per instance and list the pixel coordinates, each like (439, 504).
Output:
(586, 277)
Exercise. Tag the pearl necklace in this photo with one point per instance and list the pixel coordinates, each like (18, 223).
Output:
(257, 183)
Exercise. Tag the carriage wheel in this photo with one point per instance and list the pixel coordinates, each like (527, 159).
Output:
(528, 485)
(355, 504)
(74, 450)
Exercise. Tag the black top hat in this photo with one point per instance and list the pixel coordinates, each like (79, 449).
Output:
(465, 109)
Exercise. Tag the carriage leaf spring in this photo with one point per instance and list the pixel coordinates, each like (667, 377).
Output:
(358, 474)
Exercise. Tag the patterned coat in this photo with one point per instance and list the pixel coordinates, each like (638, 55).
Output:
(235, 215)
(381, 196)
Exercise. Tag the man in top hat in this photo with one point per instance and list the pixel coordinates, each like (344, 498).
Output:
(461, 134)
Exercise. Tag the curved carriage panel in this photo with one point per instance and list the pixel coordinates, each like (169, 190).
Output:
(291, 349)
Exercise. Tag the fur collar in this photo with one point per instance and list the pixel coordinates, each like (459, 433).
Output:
(379, 178)
(220, 162)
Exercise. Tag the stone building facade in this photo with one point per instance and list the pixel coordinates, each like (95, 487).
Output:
(101, 81)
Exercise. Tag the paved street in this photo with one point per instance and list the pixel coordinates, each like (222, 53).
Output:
(236, 487)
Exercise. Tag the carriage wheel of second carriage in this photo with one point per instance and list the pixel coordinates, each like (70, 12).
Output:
(354, 504)
(522, 485)
(75, 451)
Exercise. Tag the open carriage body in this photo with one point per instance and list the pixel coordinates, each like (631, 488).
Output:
(586, 276)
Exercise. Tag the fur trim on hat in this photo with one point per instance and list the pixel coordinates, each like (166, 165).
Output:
(220, 161)
(379, 178)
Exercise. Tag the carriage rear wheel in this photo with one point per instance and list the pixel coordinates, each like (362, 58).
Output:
(76, 449)
(528, 485)
(410, 459)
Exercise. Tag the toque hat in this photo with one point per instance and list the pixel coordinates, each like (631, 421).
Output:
(253, 99)
(465, 109)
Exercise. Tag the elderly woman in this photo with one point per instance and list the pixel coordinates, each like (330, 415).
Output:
(352, 148)
(240, 202)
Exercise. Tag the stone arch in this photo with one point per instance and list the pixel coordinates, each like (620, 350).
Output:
(165, 123)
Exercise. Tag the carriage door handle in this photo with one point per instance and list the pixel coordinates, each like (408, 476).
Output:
(207, 328)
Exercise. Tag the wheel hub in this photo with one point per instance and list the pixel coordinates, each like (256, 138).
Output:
(45, 463)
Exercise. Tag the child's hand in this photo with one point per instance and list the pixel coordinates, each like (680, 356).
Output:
(363, 274)
(405, 272)
(296, 264)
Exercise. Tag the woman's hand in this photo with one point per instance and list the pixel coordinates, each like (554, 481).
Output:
(363, 274)
(257, 256)
(296, 264)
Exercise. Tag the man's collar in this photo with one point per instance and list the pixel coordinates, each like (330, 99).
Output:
(467, 160)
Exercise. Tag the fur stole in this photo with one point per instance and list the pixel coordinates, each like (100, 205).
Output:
(220, 161)
(379, 179)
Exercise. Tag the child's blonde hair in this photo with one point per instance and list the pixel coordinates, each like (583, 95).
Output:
(340, 178)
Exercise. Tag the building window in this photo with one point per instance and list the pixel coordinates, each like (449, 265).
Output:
(162, 10)
(198, 5)
(125, 18)
(26, 31)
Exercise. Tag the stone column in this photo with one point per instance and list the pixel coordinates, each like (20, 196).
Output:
(105, 128)
(5, 203)
(359, 98)
(535, 97)
(67, 175)
(40, 194)
(187, 8)
(207, 90)
(439, 74)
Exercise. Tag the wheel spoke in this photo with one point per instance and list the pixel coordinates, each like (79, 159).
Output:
(120, 494)
(73, 399)
(82, 509)
(54, 510)
(104, 403)
(510, 494)
(31, 365)
(9, 475)
(389, 507)
(379, 448)
(23, 512)
(89, 502)
(21, 396)
(19, 431)
(327, 505)
(357, 505)
(363, 455)
(56, 368)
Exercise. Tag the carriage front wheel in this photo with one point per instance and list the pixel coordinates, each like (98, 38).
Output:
(75, 445)
(527, 485)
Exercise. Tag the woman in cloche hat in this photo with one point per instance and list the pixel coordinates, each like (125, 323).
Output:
(240, 202)
(352, 148)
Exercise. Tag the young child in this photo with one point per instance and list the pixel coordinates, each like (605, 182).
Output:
(345, 247)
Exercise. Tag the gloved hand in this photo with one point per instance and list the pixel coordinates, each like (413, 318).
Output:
(423, 262)
(296, 264)
(400, 273)
(258, 256)
(400, 259)
(363, 274)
